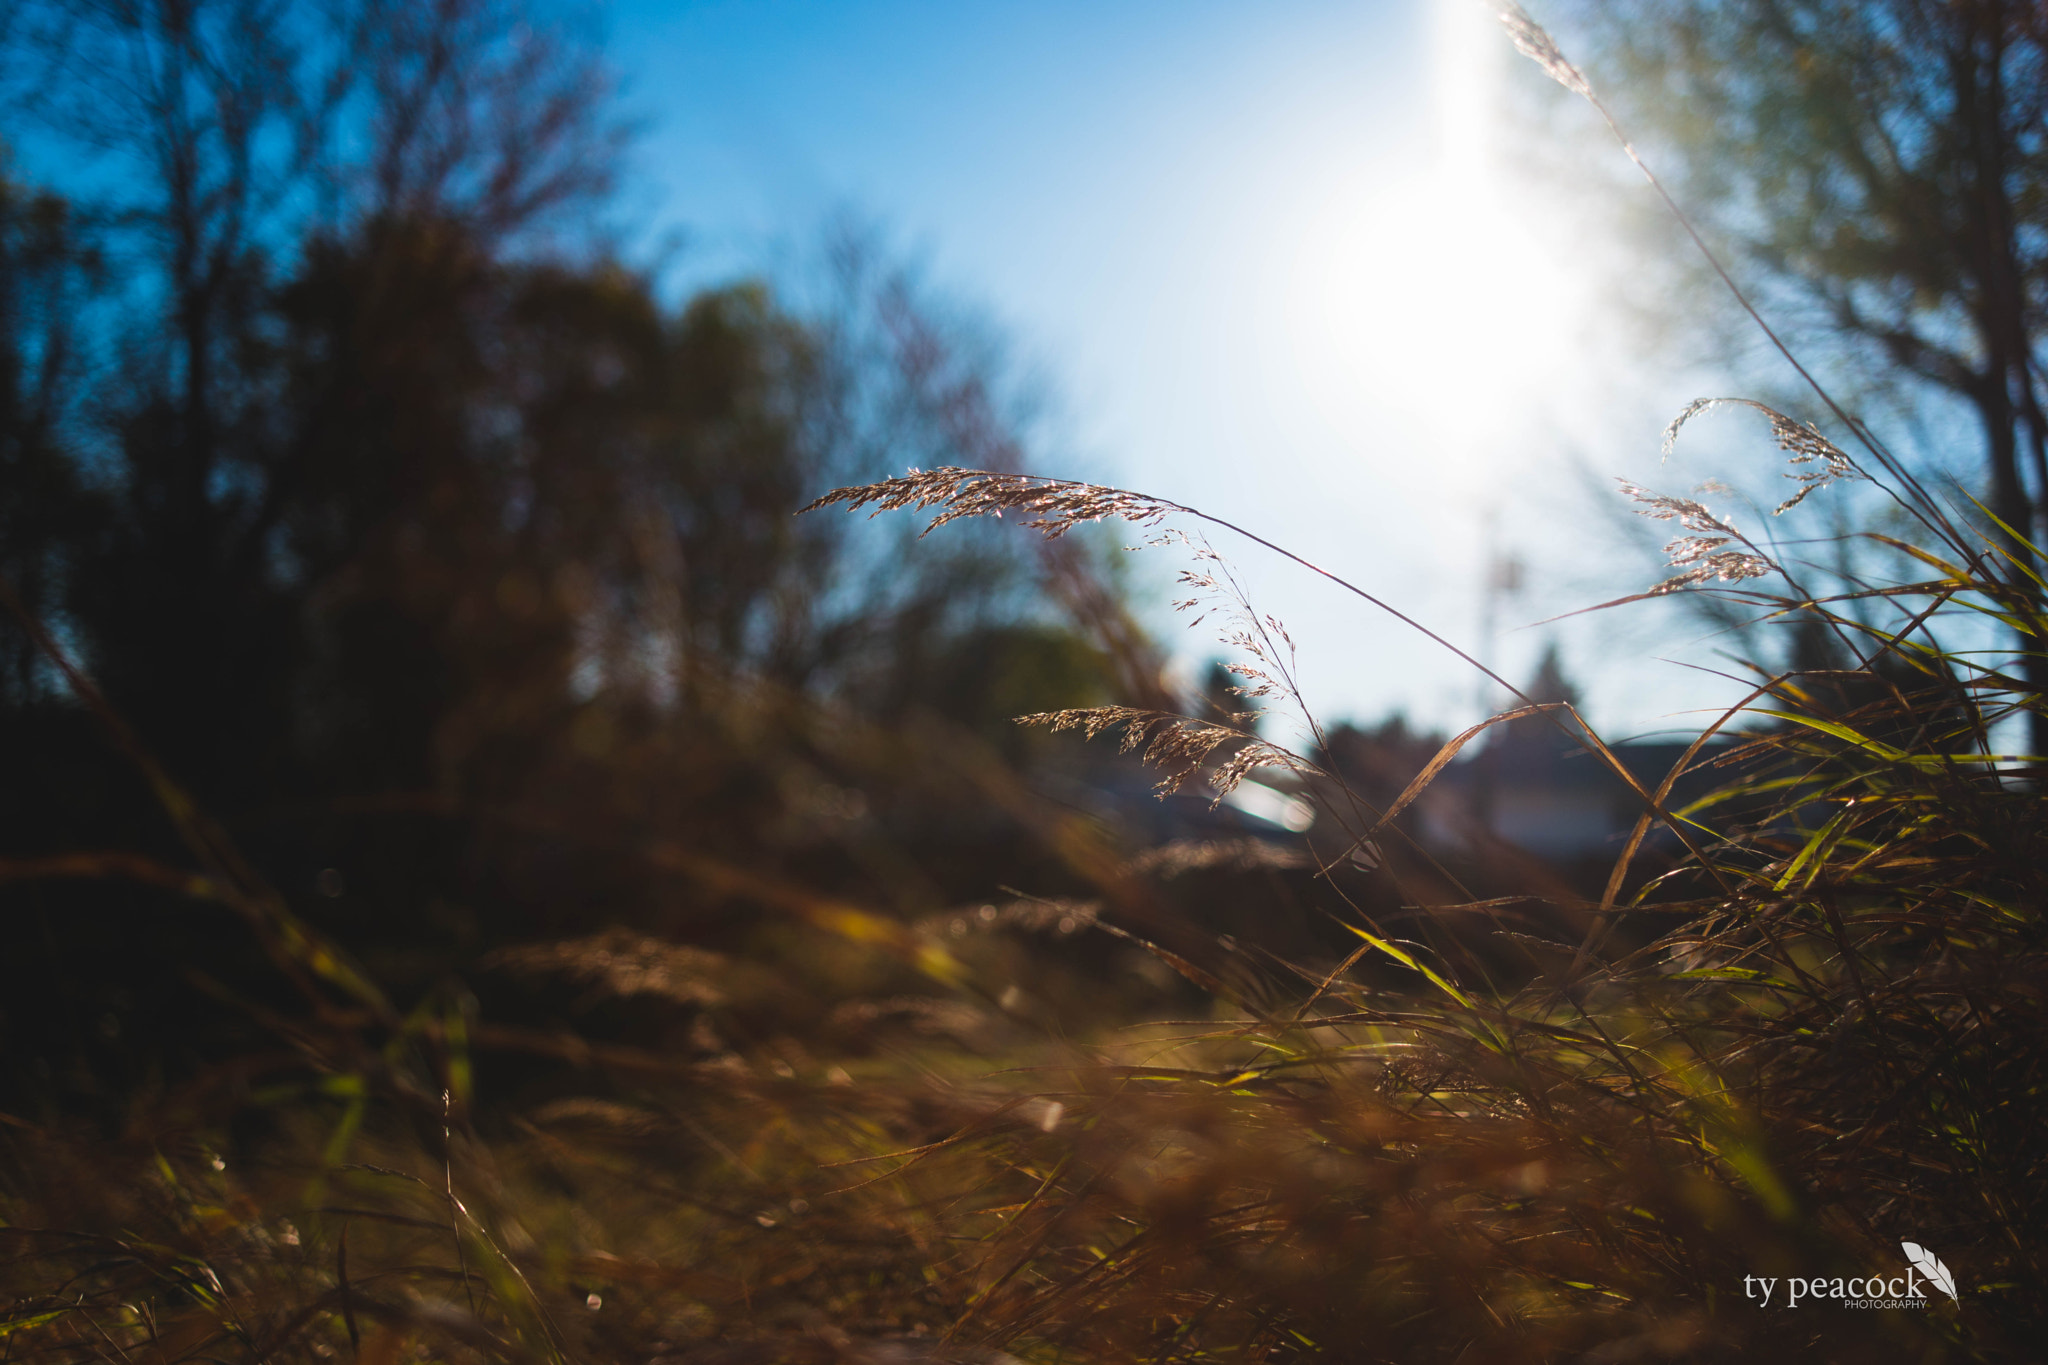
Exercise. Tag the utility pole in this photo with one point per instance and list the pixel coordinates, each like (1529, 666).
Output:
(1500, 577)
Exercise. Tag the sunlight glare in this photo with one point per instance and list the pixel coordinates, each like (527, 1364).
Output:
(1428, 295)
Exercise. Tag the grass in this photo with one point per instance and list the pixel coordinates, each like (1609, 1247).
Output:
(1812, 1041)
(1823, 1050)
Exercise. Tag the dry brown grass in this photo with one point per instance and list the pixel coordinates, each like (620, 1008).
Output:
(1829, 1045)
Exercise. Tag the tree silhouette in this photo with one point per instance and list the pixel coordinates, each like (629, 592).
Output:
(451, 568)
(1877, 170)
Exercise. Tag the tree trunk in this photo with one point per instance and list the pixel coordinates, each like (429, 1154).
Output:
(2004, 392)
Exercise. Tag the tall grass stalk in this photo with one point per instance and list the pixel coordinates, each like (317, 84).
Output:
(1824, 1046)
(1811, 1041)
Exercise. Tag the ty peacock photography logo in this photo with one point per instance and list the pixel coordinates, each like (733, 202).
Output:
(1864, 1291)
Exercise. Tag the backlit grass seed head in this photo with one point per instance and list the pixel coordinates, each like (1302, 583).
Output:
(1052, 507)
(1181, 746)
(621, 963)
(1263, 639)
(1534, 43)
(1700, 555)
(1178, 744)
(1821, 462)
(1197, 855)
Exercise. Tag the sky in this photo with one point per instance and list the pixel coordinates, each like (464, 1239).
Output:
(1270, 260)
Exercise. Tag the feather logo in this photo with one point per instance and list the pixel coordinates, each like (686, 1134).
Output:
(1929, 1264)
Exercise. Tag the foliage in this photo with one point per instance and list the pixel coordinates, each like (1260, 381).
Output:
(1828, 1051)
(1873, 170)
(434, 552)
(706, 1090)
(1823, 1050)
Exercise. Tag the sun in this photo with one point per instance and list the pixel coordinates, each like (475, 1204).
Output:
(1428, 295)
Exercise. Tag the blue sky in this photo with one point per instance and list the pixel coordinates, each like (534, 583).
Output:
(1266, 257)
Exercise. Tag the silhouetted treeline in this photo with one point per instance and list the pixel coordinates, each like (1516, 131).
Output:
(448, 565)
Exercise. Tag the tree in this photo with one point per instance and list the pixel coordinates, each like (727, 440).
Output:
(426, 544)
(1877, 170)
(45, 273)
(209, 142)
